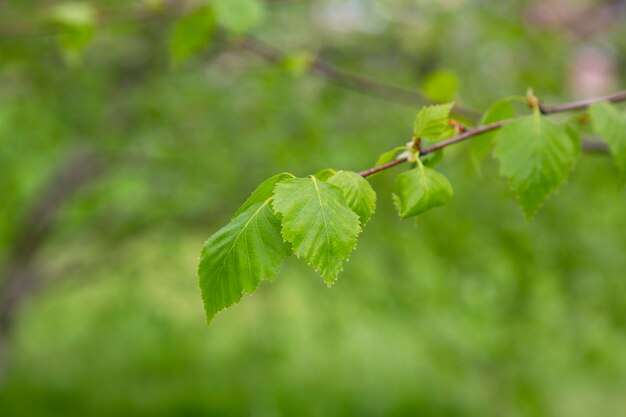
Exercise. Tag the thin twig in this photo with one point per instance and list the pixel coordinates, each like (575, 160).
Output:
(583, 104)
(588, 146)
(351, 80)
(465, 135)
(371, 171)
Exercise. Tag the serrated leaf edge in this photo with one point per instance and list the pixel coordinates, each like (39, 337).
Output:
(554, 190)
(354, 241)
(243, 291)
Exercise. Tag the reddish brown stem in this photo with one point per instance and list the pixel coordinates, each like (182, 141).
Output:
(589, 146)
(372, 171)
(583, 104)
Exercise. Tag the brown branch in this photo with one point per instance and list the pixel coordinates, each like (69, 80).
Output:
(371, 171)
(465, 135)
(351, 80)
(583, 104)
(594, 146)
(588, 146)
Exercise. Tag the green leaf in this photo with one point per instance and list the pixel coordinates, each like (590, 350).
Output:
(238, 256)
(263, 192)
(610, 123)
(239, 16)
(325, 174)
(298, 63)
(482, 144)
(318, 222)
(358, 193)
(74, 14)
(440, 85)
(420, 189)
(191, 32)
(76, 22)
(536, 155)
(73, 40)
(432, 122)
(390, 155)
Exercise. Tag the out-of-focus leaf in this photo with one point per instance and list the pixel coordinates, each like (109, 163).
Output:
(440, 85)
(482, 144)
(75, 39)
(76, 22)
(191, 32)
(239, 16)
(72, 14)
(297, 64)
(610, 123)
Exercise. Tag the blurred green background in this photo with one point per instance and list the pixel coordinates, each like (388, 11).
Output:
(116, 165)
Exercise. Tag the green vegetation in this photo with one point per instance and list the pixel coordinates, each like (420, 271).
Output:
(131, 133)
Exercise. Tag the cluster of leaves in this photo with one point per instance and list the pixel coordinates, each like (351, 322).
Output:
(318, 218)
(536, 155)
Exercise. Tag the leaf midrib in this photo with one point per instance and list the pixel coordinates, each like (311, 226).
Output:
(319, 198)
(243, 229)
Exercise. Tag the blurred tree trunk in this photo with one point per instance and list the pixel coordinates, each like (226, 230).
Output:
(20, 275)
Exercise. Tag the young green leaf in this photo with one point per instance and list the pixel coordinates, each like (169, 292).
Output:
(191, 32)
(325, 174)
(432, 122)
(419, 189)
(609, 123)
(318, 222)
(358, 193)
(390, 155)
(482, 144)
(264, 191)
(239, 16)
(535, 155)
(238, 256)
